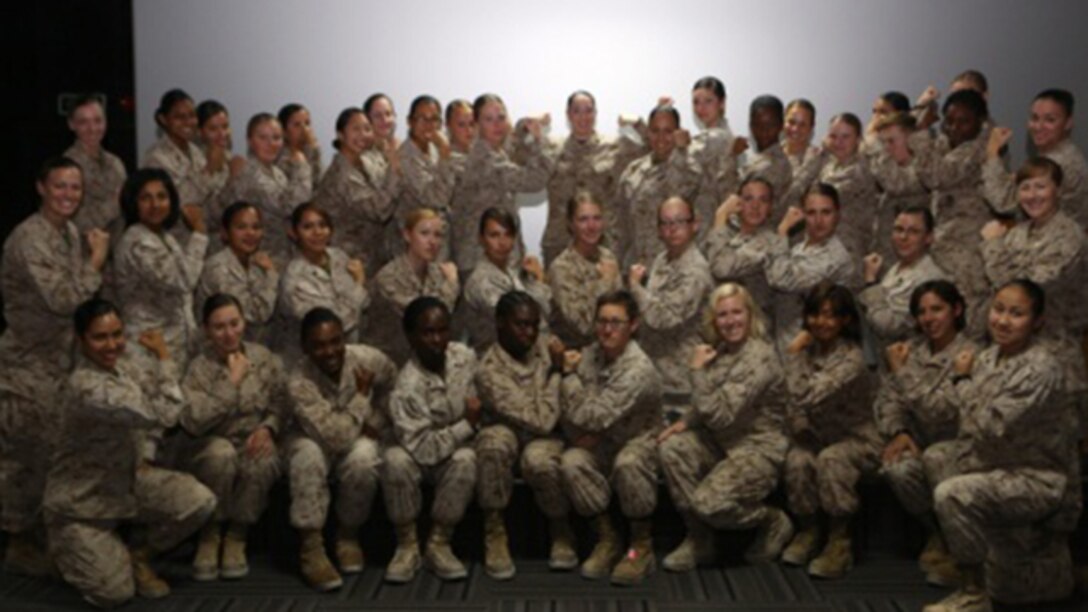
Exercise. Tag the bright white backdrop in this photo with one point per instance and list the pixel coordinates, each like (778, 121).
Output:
(255, 55)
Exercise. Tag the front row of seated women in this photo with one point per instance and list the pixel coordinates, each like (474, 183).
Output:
(979, 444)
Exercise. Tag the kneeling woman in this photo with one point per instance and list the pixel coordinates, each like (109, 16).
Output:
(832, 433)
(1016, 496)
(723, 459)
(236, 404)
(98, 480)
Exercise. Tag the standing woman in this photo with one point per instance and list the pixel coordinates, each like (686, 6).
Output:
(320, 275)
(892, 163)
(495, 274)
(414, 273)
(425, 160)
(583, 272)
(492, 177)
(797, 135)
(460, 127)
(44, 276)
(261, 182)
(833, 439)
(103, 172)
(358, 191)
(712, 149)
(176, 152)
(841, 165)
(587, 162)
(298, 136)
(1050, 126)
(1049, 249)
(917, 409)
(214, 136)
(243, 271)
(235, 406)
(382, 162)
(155, 275)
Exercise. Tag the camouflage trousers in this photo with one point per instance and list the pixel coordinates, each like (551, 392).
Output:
(726, 490)
(826, 478)
(25, 449)
(632, 471)
(497, 450)
(454, 480)
(241, 483)
(91, 555)
(308, 472)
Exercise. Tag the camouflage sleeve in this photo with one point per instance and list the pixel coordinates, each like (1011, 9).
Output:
(888, 320)
(810, 387)
(662, 310)
(61, 288)
(300, 184)
(210, 398)
(719, 400)
(433, 187)
(334, 429)
(534, 409)
(427, 443)
(595, 409)
(999, 187)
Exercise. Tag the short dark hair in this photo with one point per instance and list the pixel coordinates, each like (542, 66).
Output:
(317, 316)
(90, 310)
(287, 111)
(234, 210)
(969, 99)
(511, 301)
(712, 84)
(897, 100)
(417, 307)
(926, 214)
(1040, 166)
(343, 119)
(826, 190)
(1034, 292)
(58, 162)
(501, 216)
(208, 109)
(302, 209)
(423, 100)
(1062, 97)
(768, 102)
(168, 101)
(619, 297)
(947, 292)
(135, 183)
(842, 305)
(217, 301)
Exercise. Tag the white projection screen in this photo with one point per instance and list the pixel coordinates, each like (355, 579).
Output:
(255, 55)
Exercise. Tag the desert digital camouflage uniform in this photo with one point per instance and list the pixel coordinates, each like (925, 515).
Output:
(729, 459)
(306, 286)
(254, 287)
(793, 272)
(643, 186)
(620, 404)
(395, 286)
(213, 202)
(492, 178)
(155, 279)
(103, 176)
(712, 151)
(220, 418)
(999, 185)
(276, 193)
(592, 165)
(772, 165)
(331, 436)
(833, 436)
(188, 169)
(887, 304)
(360, 196)
(919, 399)
(433, 440)
(43, 278)
(427, 183)
(955, 175)
(98, 477)
(576, 284)
(797, 163)
(1016, 496)
(737, 257)
(521, 403)
(858, 198)
(1054, 257)
(670, 306)
(483, 289)
(313, 159)
(901, 187)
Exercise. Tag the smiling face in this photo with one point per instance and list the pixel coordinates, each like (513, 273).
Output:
(910, 239)
(296, 134)
(824, 325)
(216, 131)
(821, 218)
(425, 239)
(61, 193)
(937, 318)
(587, 226)
(225, 329)
(732, 321)
(766, 126)
(582, 114)
(153, 205)
(498, 243)
(799, 125)
(707, 107)
(244, 233)
(1011, 321)
(494, 124)
(357, 136)
(313, 233)
(661, 130)
(1048, 124)
(383, 118)
(425, 122)
(266, 141)
(461, 128)
(325, 347)
(1038, 197)
(88, 123)
(755, 206)
(179, 123)
(104, 341)
(843, 139)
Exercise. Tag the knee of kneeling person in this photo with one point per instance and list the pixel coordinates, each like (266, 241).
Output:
(463, 456)
(398, 466)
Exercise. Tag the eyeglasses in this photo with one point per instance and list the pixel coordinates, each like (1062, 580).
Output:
(673, 223)
(611, 323)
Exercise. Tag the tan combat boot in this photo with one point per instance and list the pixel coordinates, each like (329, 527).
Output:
(25, 556)
(439, 556)
(600, 561)
(696, 549)
(148, 583)
(406, 560)
(837, 557)
(497, 561)
(563, 555)
(639, 560)
(349, 555)
(206, 560)
(804, 542)
(970, 597)
(775, 531)
(316, 568)
(234, 564)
